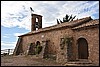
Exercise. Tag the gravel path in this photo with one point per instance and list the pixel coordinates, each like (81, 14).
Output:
(27, 61)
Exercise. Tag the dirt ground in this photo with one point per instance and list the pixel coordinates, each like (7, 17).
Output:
(22, 60)
(27, 61)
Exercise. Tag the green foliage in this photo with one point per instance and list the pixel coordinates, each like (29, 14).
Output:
(67, 40)
(67, 18)
(38, 49)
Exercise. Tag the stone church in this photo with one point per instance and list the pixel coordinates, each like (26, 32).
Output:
(69, 41)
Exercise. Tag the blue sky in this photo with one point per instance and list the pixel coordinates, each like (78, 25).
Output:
(16, 16)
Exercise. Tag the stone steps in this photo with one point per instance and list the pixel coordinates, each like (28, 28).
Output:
(79, 63)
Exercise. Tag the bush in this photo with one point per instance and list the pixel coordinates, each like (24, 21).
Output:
(38, 49)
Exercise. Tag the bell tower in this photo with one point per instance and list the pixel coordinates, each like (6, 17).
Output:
(36, 22)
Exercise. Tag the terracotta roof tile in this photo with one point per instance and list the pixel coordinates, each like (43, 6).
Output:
(65, 24)
(90, 23)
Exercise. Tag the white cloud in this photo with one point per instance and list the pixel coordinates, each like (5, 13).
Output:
(5, 36)
(17, 13)
(80, 8)
(8, 45)
(18, 34)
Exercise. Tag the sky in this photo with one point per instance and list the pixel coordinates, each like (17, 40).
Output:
(16, 16)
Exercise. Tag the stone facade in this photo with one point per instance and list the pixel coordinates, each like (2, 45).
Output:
(87, 29)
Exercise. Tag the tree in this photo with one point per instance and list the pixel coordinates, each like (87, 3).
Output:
(67, 18)
(70, 17)
(73, 18)
(58, 22)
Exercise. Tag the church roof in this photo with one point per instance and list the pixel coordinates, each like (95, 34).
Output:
(90, 23)
(76, 24)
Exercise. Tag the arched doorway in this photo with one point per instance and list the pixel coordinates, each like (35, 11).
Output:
(82, 48)
(31, 49)
(38, 47)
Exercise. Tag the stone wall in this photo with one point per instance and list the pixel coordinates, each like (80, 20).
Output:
(54, 36)
(92, 37)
